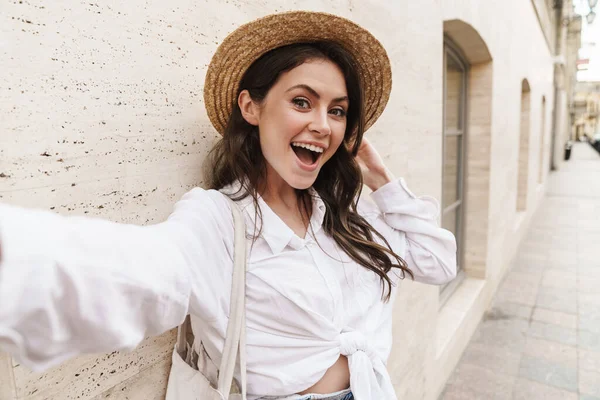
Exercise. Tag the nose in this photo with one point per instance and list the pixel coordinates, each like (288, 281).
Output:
(320, 122)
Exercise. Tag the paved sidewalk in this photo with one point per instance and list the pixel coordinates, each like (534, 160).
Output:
(541, 338)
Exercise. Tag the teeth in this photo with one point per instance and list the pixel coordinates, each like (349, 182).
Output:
(308, 146)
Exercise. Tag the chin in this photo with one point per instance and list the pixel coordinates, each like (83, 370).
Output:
(301, 183)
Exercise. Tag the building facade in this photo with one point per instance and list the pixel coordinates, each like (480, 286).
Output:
(586, 110)
(103, 116)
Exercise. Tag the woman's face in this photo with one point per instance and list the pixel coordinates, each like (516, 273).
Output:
(302, 121)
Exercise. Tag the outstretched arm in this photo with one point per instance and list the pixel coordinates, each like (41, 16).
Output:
(72, 285)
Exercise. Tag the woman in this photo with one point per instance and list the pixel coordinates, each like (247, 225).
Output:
(323, 264)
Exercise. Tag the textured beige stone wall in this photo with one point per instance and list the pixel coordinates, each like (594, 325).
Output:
(102, 115)
(478, 168)
(504, 28)
(546, 18)
(511, 32)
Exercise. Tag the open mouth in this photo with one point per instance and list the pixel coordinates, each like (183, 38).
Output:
(306, 153)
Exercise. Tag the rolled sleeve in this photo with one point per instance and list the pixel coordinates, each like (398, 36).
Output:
(429, 250)
(396, 196)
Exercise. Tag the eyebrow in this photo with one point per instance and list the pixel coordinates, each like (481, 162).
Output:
(315, 94)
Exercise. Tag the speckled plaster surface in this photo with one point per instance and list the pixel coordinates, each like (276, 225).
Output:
(89, 376)
(102, 115)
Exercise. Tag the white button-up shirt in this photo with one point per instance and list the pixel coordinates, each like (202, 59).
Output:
(71, 285)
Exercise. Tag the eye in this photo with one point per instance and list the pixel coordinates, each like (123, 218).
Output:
(301, 102)
(338, 112)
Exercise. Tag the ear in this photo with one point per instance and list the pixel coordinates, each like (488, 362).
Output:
(250, 110)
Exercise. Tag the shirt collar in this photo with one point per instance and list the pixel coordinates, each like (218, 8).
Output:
(274, 231)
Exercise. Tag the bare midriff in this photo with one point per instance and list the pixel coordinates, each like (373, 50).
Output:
(336, 378)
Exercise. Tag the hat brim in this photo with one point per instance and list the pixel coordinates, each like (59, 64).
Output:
(250, 41)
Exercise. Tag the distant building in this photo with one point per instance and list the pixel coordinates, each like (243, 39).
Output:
(586, 110)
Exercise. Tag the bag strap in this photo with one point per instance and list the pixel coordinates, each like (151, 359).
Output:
(235, 341)
(182, 332)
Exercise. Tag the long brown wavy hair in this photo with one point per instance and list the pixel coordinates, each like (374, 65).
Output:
(237, 157)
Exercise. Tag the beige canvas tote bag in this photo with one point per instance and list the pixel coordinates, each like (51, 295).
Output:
(193, 376)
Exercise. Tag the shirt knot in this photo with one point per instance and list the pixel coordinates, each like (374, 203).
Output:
(351, 342)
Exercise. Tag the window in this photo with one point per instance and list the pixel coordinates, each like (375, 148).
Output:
(542, 140)
(455, 93)
(523, 167)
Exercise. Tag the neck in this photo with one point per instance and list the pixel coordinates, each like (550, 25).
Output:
(277, 193)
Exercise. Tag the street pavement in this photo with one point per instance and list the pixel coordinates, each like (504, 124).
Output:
(541, 337)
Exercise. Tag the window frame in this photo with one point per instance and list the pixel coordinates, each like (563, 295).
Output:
(452, 50)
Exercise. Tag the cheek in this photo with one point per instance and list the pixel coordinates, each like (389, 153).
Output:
(282, 125)
(294, 122)
(337, 139)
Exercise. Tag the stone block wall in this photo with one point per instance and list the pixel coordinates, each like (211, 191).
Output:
(102, 115)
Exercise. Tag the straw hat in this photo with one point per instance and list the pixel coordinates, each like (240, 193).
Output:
(250, 41)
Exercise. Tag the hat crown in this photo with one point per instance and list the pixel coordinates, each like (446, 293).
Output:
(250, 41)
